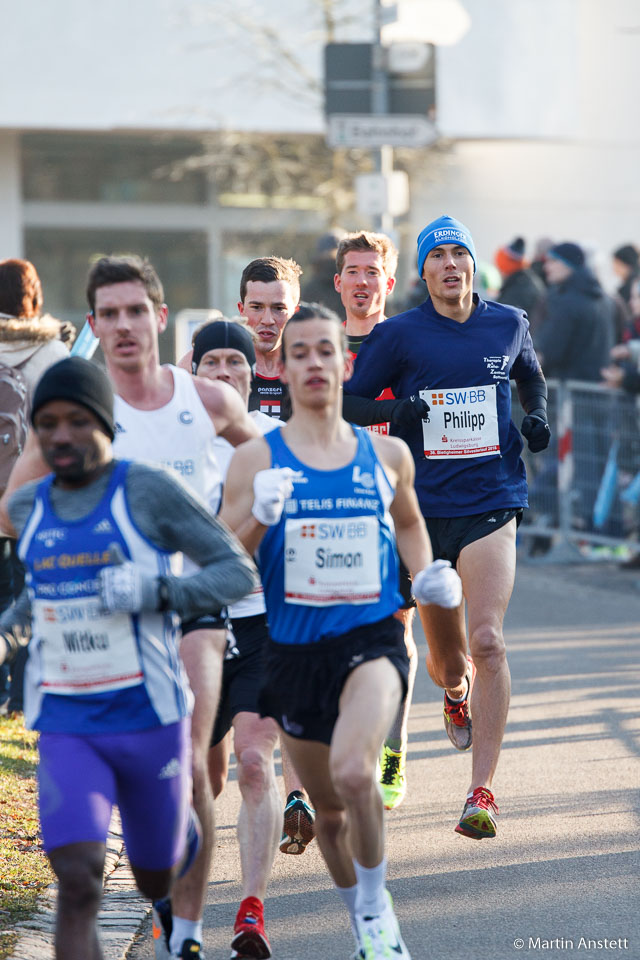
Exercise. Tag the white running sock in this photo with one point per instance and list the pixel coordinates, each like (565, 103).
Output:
(184, 930)
(349, 895)
(371, 885)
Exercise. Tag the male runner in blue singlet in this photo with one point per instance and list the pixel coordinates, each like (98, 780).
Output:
(104, 683)
(325, 502)
(459, 353)
(167, 417)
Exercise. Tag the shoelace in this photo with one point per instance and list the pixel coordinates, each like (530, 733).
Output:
(458, 713)
(379, 937)
(484, 799)
(391, 769)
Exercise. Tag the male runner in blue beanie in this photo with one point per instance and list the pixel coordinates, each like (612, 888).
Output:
(459, 353)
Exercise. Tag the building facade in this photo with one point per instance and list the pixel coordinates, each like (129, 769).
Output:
(115, 122)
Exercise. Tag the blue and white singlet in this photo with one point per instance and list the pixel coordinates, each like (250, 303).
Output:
(330, 564)
(90, 672)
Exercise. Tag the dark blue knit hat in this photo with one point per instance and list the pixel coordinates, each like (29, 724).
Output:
(569, 253)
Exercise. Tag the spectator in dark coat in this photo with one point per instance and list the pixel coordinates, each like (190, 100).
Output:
(541, 249)
(626, 266)
(577, 332)
(320, 287)
(520, 286)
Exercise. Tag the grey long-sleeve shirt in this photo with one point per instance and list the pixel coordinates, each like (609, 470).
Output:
(173, 519)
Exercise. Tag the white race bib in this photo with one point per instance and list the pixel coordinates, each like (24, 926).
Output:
(331, 560)
(463, 422)
(84, 650)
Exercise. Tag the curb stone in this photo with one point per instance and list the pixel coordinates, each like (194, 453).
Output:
(122, 913)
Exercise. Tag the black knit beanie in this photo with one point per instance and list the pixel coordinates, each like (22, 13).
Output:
(223, 335)
(79, 381)
(628, 255)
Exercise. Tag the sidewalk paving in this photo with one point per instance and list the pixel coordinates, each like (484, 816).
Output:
(122, 914)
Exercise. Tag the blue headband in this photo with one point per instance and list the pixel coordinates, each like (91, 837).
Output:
(444, 230)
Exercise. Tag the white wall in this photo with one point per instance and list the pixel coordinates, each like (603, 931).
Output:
(160, 64)
(515, 73)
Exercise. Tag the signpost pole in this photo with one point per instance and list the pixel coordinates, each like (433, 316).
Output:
(383, 155)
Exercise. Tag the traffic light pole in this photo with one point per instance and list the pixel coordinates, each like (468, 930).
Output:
(383, 156)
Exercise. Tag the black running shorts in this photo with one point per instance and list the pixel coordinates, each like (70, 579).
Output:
(241, 674)
(303, 682)
(210, 621)
(450, 535)
(405, 588)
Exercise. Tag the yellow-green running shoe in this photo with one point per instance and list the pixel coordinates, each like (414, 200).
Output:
(392, 777)
(380, 937)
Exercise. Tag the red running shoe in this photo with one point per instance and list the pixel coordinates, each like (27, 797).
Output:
(457, 716)
(250, 940)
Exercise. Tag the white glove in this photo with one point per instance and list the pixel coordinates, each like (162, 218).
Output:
(124, 588)
(438, 583)
(271, 488)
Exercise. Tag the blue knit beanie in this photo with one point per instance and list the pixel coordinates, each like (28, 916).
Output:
(444, 230)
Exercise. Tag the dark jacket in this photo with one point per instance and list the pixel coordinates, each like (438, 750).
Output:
(626, 287)
(320, 288)
(577, 331)
(522, 289)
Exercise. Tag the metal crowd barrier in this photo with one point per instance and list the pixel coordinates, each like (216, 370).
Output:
(584, 490)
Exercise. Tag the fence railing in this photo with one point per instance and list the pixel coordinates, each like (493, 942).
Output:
(585, 488)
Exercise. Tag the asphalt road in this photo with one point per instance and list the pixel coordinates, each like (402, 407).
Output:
(561, 878)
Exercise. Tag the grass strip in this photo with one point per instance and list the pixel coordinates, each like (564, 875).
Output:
(24, 868)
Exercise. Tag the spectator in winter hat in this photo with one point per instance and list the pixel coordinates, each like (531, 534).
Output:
(520, 286)
(577, 331)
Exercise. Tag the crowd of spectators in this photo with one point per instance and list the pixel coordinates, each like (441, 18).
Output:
(584, 333)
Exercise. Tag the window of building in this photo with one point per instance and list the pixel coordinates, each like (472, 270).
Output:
(111, 169)
(63, 257)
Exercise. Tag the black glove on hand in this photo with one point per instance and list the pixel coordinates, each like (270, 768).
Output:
(535, 430)
(410, 412)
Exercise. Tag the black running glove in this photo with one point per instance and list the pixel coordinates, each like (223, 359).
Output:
(536, 431)
(410, 412)
(11, 639)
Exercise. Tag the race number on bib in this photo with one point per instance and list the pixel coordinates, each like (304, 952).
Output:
(463, 422)
(331, 560)
(83, 650)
